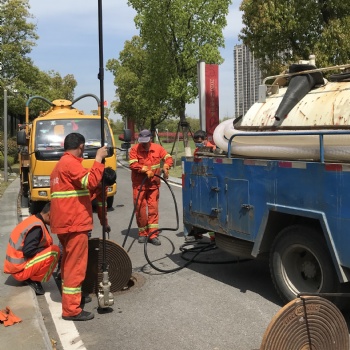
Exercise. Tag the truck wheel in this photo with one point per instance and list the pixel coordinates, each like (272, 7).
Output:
(110, 201)
(300, 262)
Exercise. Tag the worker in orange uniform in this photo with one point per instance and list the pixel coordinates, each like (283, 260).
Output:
(71, 219)
(145, 161)
(201, 140)
(31, 255)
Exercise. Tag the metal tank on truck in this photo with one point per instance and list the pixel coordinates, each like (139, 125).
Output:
(41, 146)
(279, 183)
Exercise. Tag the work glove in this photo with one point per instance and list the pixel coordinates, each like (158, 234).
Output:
(166, 168)
(144, 169)
(108, 228)
(149, 174)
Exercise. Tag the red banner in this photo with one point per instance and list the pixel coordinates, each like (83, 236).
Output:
(211, 98)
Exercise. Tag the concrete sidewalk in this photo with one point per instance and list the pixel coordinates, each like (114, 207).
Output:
(31, 332)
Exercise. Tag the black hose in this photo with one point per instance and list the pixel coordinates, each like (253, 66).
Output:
(196, 250)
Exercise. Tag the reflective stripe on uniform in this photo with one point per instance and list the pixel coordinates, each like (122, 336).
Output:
(167, 156)
(153, 226)
(132, 161)
(85, 181)
(155, 166)
(40, 258)
(70, 194)
(68, 290)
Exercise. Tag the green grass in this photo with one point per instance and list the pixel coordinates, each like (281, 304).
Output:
(178, 151)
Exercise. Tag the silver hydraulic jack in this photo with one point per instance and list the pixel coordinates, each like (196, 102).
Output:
(105, 297)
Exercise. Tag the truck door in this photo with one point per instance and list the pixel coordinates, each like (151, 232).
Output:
(239, 211)
(204, 195)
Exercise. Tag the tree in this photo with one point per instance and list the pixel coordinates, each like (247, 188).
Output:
(132, 81)
(177, 34)
(280, 32)
(17, 38)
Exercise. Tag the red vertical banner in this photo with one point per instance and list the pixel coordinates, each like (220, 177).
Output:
(131, 125)
(211, 99)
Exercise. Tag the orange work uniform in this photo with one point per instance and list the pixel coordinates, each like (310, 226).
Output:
(71, 220)
(147, 216)
(206, 144)
(39, 267)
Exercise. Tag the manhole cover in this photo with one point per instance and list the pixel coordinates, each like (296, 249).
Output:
(307, 323)
(118, 262)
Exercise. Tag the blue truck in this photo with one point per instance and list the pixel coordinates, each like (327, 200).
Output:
(293, 207)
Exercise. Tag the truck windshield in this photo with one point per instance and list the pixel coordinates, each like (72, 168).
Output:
(50, 134)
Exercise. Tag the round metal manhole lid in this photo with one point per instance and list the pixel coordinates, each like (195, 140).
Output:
(307, 323)
(118, 262)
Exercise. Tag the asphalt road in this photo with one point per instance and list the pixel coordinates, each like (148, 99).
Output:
(205, 306)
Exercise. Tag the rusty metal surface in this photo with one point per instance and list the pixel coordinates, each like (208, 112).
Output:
(326, 105)
(119, 266)
(307, 323)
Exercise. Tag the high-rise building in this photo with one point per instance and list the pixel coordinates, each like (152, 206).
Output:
(247, 77)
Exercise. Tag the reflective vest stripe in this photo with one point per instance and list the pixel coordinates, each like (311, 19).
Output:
(167, 156)
(131, 161)
(85, 181)
(70, 194)
(14, 260)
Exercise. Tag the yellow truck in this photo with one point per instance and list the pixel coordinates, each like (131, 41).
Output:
(40, 144)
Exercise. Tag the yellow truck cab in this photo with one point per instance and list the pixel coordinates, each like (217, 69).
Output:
(41, 146)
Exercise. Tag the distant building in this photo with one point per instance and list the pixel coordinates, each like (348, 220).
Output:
(247, 76)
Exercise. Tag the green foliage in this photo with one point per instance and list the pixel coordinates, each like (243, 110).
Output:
(17, 37)
(158, 70)
(12, 148)
(10, 161)
(282, 32)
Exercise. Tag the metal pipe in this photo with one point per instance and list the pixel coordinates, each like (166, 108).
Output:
(5, 135)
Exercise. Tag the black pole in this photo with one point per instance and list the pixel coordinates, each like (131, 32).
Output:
(101, 78)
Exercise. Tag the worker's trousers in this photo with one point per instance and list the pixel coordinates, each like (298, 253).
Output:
(40, 267)
(147, 216)
(73, 270)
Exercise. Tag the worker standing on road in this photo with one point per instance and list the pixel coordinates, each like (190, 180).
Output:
(145, 160)
(109, 177)
(30, 256)
(71, 219)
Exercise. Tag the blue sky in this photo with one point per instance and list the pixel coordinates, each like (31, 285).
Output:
(68, 44)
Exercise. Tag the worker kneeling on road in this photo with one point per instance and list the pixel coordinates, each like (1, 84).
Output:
(144, 160)
(30, 256)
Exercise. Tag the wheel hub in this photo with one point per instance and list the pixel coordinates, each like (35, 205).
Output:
(309, 269)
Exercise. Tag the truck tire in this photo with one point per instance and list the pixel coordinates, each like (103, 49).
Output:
(237, 247)
(36, 207)
(300, 262)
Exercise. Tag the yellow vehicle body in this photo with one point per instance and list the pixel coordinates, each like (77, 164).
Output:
(43, 147)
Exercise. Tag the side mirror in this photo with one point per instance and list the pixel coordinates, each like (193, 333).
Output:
(21, 138)
(127, 135)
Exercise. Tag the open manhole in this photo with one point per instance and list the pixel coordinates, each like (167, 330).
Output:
(118, 262)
